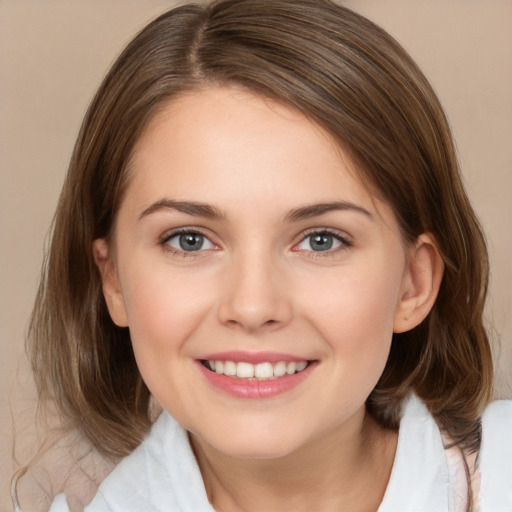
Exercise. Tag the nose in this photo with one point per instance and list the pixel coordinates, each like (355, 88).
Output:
(254, 296)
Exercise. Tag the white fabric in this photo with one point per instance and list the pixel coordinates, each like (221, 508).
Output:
(496, 458)
(162, 475)
(420, 478)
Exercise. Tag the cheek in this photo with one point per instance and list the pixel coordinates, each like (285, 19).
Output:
(164, 311)
(164, 308)
(356, 322)
(355, 310)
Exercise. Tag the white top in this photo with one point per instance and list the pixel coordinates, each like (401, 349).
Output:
(162, 475)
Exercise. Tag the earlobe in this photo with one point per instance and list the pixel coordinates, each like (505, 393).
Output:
(110, 283)
(420, 285)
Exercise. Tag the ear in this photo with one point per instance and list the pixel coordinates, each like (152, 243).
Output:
(110, 283)
(420, 285)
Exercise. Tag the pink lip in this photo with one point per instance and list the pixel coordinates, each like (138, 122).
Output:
(252, 357)
(252, 388)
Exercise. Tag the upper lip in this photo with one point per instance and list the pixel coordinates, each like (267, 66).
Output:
(253, 357)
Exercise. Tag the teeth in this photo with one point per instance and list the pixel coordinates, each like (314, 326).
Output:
(279, 369)
(262, 371)
(301, 366)
(229, 368)
(290, 368)
(244, 370)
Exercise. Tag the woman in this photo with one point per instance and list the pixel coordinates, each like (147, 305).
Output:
(263, 230)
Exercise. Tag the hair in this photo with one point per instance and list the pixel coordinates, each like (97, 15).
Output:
(353, 79)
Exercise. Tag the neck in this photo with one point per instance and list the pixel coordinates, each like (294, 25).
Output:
(346, 469)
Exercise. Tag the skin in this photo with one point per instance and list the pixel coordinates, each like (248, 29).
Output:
(257, 285)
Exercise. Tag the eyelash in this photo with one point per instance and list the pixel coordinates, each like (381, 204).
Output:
(164, 242)
(344, 241)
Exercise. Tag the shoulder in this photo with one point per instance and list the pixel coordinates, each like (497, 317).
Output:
(419, 479)
(498, 414)
(160, 475)
(495, 456)
(438, 475)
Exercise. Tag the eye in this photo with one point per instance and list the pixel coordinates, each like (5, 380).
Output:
(321, 241)
(189, 241)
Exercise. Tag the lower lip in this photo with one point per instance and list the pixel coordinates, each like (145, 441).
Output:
(252, 388)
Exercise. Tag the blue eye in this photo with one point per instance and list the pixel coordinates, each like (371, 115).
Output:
(321, 241)
(189, 242)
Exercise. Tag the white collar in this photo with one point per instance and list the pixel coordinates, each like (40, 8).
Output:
(162, 475)
(420, 477)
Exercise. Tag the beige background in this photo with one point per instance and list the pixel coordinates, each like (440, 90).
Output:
(53, 55)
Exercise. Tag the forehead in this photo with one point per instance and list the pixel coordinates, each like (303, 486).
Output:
(226, 144)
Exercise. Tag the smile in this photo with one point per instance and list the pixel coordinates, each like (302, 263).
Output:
(260, 371)
(254, 376)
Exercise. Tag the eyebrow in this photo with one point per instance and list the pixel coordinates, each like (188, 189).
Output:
(315, 210)
(210, 212)
(188, 207)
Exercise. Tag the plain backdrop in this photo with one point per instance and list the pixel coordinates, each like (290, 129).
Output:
(53, 55)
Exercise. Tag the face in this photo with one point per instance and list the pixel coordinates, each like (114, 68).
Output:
(260, 281)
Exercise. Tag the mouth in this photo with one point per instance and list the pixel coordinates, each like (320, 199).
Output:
(262, 371)
(255, 375)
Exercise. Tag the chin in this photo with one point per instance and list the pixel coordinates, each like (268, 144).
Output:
(253, 445)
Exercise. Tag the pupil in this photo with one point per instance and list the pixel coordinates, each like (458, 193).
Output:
(191, 241)
(321, 242)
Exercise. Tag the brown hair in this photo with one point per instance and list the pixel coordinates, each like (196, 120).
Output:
(354, 80)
